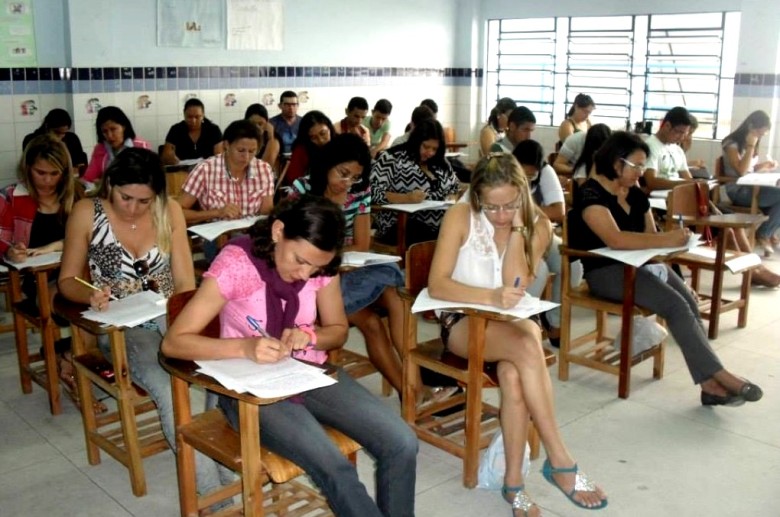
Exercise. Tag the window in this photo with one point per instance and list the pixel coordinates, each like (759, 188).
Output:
(635, 67)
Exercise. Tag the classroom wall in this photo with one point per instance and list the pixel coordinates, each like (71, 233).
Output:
(403, 50)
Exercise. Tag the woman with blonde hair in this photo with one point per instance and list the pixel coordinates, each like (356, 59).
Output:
(487, 252)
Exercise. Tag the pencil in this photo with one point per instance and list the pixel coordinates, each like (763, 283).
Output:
(84, 282)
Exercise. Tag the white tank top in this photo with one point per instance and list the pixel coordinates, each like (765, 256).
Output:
(478, 263)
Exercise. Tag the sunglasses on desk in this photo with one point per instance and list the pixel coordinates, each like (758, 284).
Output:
(141, 268)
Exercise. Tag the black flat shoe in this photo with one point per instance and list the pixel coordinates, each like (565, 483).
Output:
(750, 392)
(709, 399)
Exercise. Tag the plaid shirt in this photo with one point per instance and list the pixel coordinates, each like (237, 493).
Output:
(213, 186)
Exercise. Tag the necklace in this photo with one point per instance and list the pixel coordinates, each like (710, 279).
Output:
(133, 226)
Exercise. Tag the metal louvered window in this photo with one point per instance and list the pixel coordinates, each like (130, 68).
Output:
(635, 67)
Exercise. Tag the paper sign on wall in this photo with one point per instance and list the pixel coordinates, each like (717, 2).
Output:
(254, 25)
(17, 35)
(191, 23)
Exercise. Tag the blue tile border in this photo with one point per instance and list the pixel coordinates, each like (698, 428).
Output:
(170, 78)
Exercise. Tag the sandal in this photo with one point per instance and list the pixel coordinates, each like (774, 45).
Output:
(581, 483)
(520, 501)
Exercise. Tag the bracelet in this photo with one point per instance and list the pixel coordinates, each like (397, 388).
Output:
(519, 229)
(308, 329)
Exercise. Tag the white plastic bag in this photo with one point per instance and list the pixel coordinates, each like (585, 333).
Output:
(492, 466)
(646, 334)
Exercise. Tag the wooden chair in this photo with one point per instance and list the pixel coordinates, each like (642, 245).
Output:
(451, 142)
(36, 367)
(595, 349)
(211, 434)
(5, 288)
(725, 180)
(132, 432)
(469, 429)
(682, 201)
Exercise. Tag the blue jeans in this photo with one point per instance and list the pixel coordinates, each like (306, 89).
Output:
(364, 285)
(294, 430)
(142, 346)
(552, 264)
(768, 202)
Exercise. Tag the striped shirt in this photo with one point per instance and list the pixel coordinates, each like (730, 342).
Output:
(214, 188)
(357, 203)
(395, 171)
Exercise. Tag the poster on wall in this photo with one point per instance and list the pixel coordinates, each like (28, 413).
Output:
(17, 34)
(254, 24)
(191, 23)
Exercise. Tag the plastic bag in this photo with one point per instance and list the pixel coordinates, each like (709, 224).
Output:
(492, 466)
(646, 334)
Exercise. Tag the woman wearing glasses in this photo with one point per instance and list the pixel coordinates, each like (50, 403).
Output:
(411, 173)
(611, 210)
(132, 238)
(487, 252)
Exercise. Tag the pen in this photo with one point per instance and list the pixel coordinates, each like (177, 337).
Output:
(9, 243)
(517, 282)
(84, 282)
(679, 220)
(255, 325)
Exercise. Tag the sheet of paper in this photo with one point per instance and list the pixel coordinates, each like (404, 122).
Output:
(415, 207)
(210, 231)
(528, 305)
(39, 260)
(766, 179)
(130, 311)
(364, 258)
(658, 203)
(284, 378)
(735, 264)
(255, 25)
(190, 161)
(659, 194)
(638, 257)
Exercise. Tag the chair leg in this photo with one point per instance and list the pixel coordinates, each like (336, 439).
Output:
(84, 387)
(50, 364)
(251, 468)
(563, 354)
(477, 328)
(533, 441)
(22, 352)
(744, 294)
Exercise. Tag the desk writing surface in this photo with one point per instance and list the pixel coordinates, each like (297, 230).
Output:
(736, 220)
(764, 179)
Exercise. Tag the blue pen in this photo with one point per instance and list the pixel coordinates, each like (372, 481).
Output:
(517, 282)
(255, 325)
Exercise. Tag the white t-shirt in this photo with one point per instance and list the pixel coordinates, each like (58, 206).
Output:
(573, 146)
(549, 186)
(667, 160)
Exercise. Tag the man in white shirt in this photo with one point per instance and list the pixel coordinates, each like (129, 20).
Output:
(666, 165)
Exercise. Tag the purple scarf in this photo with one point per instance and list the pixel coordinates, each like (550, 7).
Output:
(277, 290)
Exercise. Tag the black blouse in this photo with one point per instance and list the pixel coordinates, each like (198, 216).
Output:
(591, 193)
(186, 149)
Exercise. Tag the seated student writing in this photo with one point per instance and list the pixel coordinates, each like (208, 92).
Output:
(194, 137)
(611, 210)
(285, 275)
(115, 133)
(268, 151)
(231, 185)
(316, 130)
(378, 125)
(132, 238)
(411, 173)
(59, 123)
(488, 250)
(33, 214)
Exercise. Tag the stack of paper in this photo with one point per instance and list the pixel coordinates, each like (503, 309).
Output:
(638, 257)
(39, 260)
(364, 258)
(526, 307)
(211, 231)
(767, 179)
(131, 310)
(282, 379)
(735, 264)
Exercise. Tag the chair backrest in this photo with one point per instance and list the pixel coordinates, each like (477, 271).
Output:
(449, 135)
(418, 265)
(175, 305)
(174, 182)
(718, 170)
(681, 200)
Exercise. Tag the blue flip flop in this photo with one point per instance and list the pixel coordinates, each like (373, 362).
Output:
(581, 483)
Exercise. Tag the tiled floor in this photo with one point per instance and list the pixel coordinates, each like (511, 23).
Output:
(658, 453)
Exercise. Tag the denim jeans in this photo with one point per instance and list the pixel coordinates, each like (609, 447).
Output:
(293, 429)
(768, 202)
(142, 346)
(552, 264)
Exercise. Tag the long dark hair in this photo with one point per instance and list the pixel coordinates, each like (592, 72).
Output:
(580, 101)
(619, 145)
(346, 147)
(427, 130)
(55, 118)
(113, 114)
(755, 120)
(594, 139)
(309, 120)
(311, 218)
(503, 105)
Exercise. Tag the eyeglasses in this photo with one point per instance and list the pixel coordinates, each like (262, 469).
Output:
(639, 168)
(495, 209)
(346, 176)
(289, 104)
(141, 268)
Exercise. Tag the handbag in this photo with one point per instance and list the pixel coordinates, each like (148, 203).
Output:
(703, 207)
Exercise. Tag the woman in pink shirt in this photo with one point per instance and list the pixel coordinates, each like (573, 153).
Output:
(114, 134)
(284, 278)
